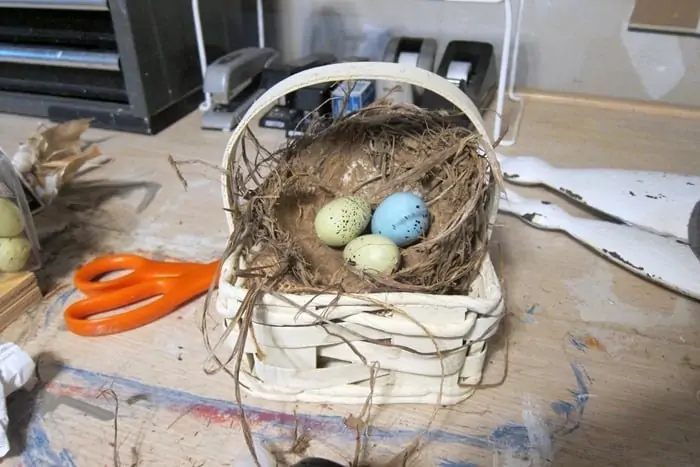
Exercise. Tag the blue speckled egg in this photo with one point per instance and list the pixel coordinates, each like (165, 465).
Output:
(403, 217)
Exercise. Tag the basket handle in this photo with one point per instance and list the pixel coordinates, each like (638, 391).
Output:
(353, 71)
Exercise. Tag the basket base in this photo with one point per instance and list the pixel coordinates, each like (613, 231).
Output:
(349, 383)
(356, 395)
(428, 350)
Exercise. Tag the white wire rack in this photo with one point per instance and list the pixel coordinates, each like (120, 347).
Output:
(507, 70)
(199, 33)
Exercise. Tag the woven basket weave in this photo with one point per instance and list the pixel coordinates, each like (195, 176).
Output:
(448, 346)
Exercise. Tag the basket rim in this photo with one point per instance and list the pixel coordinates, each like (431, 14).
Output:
(487, 305)
(354, 71)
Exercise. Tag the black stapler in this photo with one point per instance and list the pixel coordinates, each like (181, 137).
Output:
(234, 83)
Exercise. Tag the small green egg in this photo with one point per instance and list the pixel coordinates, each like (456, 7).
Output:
(10, 219)
(372, 254)
(14, 253)
(342, 220)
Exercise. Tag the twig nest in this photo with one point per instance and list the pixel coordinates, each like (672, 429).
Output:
(372, 254)
(317, 191)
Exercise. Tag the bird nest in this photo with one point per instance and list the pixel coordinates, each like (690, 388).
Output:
(372, 153)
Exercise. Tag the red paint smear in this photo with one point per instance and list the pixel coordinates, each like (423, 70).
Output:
(213, 414)
(207, 413)
(60, 389)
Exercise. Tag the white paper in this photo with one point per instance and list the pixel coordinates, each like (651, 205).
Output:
(16, 371)
(265, 457)
(408, 58)
(458, 71)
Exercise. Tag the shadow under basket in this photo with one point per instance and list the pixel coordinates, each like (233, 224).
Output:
(400, 347)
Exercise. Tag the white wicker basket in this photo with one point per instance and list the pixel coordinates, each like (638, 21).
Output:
(306, 360)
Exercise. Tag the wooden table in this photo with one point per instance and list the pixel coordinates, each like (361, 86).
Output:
(605, 362)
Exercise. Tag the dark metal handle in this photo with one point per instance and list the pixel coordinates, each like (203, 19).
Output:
(694, 230)
(94, 5)
(52, 56)
(316, 462)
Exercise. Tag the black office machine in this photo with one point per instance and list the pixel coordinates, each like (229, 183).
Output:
(471, 66)
(410, 51)
(234, 83)
(306, 105)
(128, 65)
(286, 114)
(323, 102)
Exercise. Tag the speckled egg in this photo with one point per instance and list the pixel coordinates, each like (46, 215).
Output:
(403, 217)
(10, 219)
(342, 220)
(14, 253)
(372, 254)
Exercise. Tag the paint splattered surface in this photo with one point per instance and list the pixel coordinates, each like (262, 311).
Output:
(150, 413)
(603, 367)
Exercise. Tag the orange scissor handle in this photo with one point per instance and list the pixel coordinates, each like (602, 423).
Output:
(142, 269)
(171, 289)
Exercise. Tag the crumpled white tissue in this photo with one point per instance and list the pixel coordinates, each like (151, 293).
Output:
(265, 457)
(16, 371)
(24, 159)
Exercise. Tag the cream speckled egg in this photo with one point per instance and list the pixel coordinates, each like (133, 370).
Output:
(372, 254)
(342, 220)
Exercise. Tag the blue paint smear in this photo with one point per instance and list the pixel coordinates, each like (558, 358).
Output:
(578, 345)
(528, 317)
(449, 463)
(58, 304)
(563, 408)
(573, 412)
(38, 451)
(177, 400)
(510, 436)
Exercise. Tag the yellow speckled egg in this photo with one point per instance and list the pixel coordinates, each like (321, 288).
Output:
(372, 254)
(342, 220)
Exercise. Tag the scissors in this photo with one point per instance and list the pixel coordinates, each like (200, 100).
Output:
(174, 283)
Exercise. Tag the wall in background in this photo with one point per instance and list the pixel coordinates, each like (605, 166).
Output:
(580, 46)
